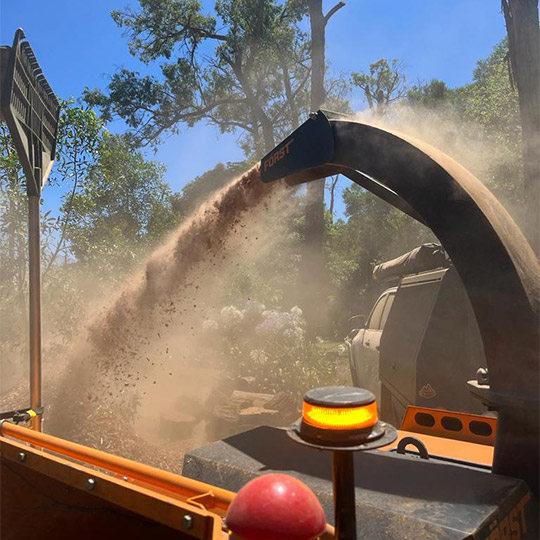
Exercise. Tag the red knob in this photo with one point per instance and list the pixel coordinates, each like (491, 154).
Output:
(276, 507)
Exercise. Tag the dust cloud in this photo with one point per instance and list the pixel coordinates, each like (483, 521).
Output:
(488, 158)
(141, 371)
(142, 367)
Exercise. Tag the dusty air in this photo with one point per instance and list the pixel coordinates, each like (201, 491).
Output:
(270, 270)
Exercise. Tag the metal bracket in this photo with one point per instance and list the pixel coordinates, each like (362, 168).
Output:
(417, 443)
(493, 399)
(21, 415)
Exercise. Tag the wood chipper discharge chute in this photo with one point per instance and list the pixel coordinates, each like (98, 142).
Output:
(493, 259)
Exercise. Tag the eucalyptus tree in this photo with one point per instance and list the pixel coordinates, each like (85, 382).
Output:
(244, 67)
(80, 135)
(121, 210)
(383, 85)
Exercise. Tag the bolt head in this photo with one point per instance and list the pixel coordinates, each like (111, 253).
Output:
(187, 521)
(21, 457)
(90, 484)
(482, 376)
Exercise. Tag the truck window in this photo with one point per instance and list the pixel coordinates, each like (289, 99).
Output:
(387, 308)
(375, 318)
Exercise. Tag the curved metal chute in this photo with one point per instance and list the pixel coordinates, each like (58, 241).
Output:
(496, 264)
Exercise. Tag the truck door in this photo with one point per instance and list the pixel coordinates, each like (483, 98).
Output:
(365, 346)
(402, 340)
(375, 324)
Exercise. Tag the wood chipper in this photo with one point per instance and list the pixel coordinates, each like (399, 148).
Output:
(443, 475)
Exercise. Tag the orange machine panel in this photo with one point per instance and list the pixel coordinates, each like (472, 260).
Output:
(451, 425)
(44, 497)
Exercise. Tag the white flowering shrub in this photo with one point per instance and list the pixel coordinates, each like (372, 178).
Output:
(269, 345)
(230, 317)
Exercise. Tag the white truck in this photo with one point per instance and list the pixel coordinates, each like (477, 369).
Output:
(420, 344)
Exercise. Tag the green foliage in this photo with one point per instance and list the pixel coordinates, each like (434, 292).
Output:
(58, 287)
(251, 75)
(492, 102)
(254, 78)
(489, 103)
(432, 96)
(80, 134)
(201, 188)
(122, 207)
(13, 253)
(114, 207)
(384, 84)
(168, 22)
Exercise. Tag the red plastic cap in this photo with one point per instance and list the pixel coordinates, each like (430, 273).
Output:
(276, 507)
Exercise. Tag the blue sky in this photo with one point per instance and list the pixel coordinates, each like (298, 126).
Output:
(78, 45)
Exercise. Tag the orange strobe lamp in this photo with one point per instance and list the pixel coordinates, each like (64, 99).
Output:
(343, 419)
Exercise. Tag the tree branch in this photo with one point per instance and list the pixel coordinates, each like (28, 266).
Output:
(229, 123)
(67, 215)
(333, 11)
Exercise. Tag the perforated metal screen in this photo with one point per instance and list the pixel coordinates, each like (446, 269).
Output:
(31, 111)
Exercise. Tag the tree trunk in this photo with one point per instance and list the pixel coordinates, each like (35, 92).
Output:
(266, 124)
(312, 268)
(295, 115)
(333, 184)
(257, 142)
(315, 211)
(318, 41)
(521, 18)
(268, 131)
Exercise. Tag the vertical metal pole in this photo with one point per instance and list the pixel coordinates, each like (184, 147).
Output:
(34, 279)
(344, 497)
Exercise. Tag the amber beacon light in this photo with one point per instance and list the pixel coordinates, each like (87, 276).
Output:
(342, 419)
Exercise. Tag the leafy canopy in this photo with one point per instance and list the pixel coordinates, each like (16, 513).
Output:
(122, 206)
(248, 71)
(382, 85)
